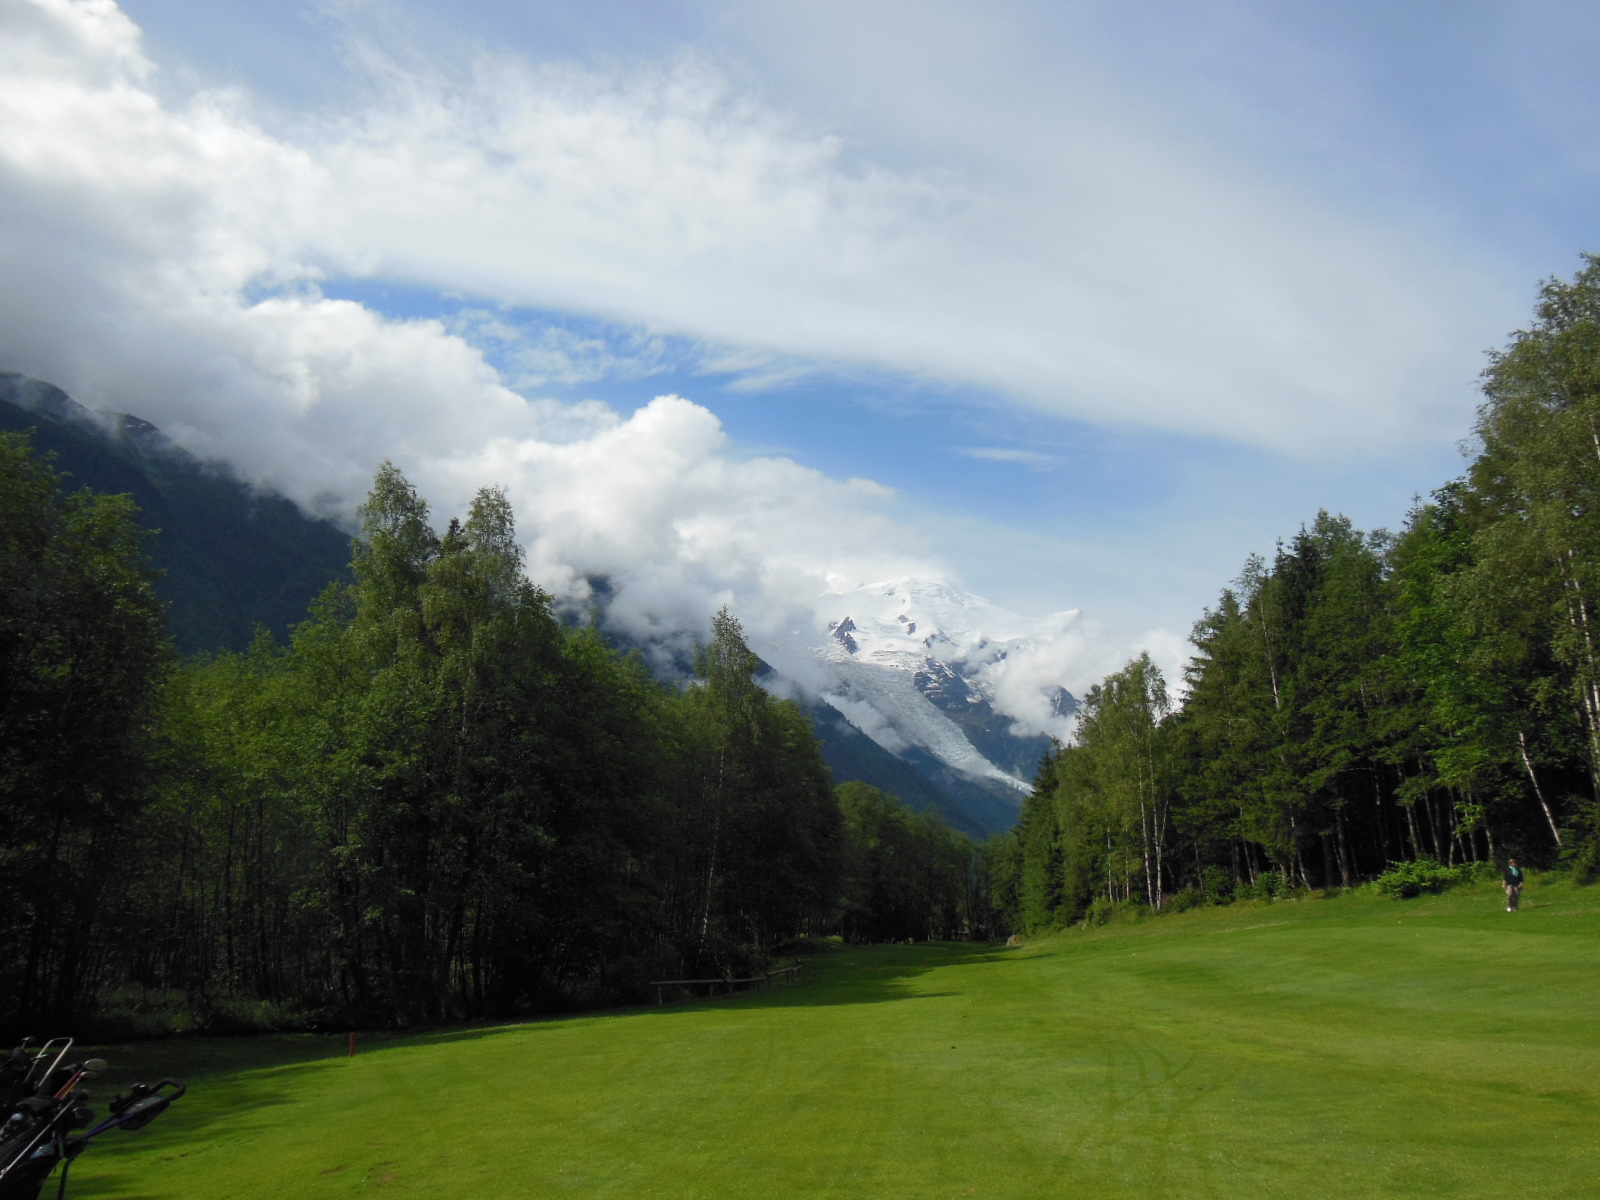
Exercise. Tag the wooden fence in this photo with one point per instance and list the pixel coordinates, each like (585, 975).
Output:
(726, 981)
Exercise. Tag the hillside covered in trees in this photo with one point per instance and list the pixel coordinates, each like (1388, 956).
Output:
(1360, 698)
(228, 557)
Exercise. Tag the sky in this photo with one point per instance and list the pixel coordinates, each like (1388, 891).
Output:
(1073, 305)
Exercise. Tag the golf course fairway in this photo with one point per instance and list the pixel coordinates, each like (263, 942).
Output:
(1354, 1046)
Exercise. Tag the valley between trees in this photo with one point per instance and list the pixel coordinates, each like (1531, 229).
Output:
(1354, 1047)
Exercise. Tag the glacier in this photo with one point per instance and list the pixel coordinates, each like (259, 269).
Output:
(933, 674)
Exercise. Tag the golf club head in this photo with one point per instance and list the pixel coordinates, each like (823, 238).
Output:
(94, 1064)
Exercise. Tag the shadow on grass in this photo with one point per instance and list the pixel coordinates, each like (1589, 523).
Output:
(233, 1078)
(857, 975)
(192, 1058)
(853, 975)
(234, 1082)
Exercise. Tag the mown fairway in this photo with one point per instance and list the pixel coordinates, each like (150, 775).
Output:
(1338, 1048)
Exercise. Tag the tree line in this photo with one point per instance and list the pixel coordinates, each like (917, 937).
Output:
(436, 801)
(1363, 699)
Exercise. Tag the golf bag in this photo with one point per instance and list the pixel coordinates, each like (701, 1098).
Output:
(41, 1110)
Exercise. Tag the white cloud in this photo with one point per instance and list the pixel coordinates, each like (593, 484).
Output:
(1086, 264)
(1035, 459)
(677, 528)
(866, 717)
(1082, 261)
(133, 246)
(165, 256)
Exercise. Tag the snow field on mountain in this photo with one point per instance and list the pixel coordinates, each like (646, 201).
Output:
(905, 717)
(897, 658)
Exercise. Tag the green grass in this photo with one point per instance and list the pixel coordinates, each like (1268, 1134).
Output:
(1322, 1048)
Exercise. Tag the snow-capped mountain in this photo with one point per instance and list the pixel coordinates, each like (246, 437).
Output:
(916, 686)
(967, 692)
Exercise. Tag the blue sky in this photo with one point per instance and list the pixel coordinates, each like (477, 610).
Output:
(1110, 296)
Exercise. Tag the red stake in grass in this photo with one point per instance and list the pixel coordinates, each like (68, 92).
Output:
(352, 1045)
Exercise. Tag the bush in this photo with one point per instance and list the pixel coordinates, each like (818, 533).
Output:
(130, 1014)
(1185, 900)
(1101, 911)
(1405, 880)
(235, 1015)
(133, 1014)
(1217, 885)
(1586, 863)
(1582, 854)
(1105, 910)
(1269, 885)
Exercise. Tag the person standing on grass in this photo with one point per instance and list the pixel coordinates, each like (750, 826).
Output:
(1513, 885)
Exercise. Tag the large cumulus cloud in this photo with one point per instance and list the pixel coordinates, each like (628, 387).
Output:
(167, 256)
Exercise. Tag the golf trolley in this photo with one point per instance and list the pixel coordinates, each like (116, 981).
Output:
(41, 1109)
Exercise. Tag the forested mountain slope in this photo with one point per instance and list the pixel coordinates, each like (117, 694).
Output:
(231, 557)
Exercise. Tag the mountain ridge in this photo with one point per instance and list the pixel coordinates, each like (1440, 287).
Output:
(231, 557)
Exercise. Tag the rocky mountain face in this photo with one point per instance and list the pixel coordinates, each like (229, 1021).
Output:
(908, 684)
(916, 667)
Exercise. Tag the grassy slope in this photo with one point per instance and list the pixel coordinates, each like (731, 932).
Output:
(1349, 1047)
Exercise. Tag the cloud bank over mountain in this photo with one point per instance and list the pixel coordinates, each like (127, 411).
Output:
(1098, 270)
(170, 252)
(165, 260)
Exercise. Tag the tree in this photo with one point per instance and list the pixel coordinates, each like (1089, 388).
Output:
(83, 653)
(906, 874)
(761, 861)
(1098, 819)
(1042, 898)
(1535, 512)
